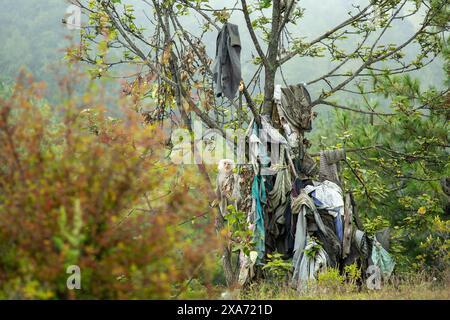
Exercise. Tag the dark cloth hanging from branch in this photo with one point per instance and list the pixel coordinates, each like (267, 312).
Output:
(227, 64)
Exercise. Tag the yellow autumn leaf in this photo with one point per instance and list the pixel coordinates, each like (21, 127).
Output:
(421, 210)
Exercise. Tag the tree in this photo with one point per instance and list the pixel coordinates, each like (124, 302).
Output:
(173, 61)
(400, 180)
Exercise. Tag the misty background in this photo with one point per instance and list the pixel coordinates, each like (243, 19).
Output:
(33, 37)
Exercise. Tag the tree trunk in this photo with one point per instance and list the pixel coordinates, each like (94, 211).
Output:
(230, 274)
(270, 67)
(269, 87)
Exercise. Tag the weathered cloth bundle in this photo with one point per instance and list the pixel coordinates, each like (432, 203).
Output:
(310, 265)
(329, 164)
(295, 107)
(303, 205)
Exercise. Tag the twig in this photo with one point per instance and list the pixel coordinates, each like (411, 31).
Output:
(351, 150)
(193, 218)
(360, 180)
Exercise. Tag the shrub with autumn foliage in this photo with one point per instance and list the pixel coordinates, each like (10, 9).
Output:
(80, 188)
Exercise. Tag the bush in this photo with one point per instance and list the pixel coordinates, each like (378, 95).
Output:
(352, 273)
(330, 280)
(435, 257)
(277, 269)
(72, 188)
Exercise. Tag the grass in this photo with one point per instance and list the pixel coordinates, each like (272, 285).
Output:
(409, 287)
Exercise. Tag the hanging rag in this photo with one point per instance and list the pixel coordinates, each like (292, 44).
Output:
(360, 238)
(259, 199)
(227, 64)
(334, 212)
(247, 263)
(290, 236)
(257, 150)
(258, 143)
(269, 134)
(383, 237)
(308, 165)
(328, 195)
(339, 227)
(310, 265)
(297, 186)
(288, 8)
(291, 135)
(382, 259)
(295, 107)
(303, 205)
(278, 201)
(330, 242)
(328, 169)
(279, 195)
